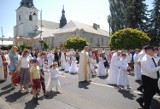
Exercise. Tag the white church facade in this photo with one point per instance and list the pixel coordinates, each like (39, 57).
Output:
(54, 34)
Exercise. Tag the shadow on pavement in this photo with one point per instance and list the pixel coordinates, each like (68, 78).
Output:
(51, 95)
(30, 105)
(155, 104)
(83, 85)
(6, 87)
(103, 77)
(1, 81)
(15, 96)
(127, 94)
(6, 91)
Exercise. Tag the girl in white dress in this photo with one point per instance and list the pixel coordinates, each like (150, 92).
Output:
(122, 80)
(68, 62)
(73, 68)
(54, 78)
(93, 64)
(101, 71)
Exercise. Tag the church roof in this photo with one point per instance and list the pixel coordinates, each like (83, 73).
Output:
(45, 33)
(48, 24)
(73, 25)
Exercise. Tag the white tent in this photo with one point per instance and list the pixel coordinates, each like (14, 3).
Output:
(6, 42)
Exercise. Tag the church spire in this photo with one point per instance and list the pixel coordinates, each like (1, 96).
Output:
(63, 20)
(27, 3)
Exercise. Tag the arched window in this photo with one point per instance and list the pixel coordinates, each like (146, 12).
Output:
(30, 17)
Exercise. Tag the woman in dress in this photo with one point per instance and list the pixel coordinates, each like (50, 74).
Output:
(101, 71)
(13, 66)
(73, 69)
(68, 62)
(24, 64)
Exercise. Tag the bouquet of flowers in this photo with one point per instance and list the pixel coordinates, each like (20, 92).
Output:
(129, 69)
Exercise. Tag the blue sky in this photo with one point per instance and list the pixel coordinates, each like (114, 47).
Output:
(85, 11)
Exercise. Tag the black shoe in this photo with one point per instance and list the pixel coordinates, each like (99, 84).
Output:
(140, 101)
(140, 89)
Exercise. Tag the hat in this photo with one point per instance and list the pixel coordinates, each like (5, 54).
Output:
(34, 60)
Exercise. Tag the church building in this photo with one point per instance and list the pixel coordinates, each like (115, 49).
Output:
(54, 34)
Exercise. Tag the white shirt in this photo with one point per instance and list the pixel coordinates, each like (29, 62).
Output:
(25, 62)
(148, 67)
(140, 55)
(41, 62)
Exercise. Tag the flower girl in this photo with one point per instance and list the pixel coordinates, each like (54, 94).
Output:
(123, 75)
(73, 69)
(54, 78)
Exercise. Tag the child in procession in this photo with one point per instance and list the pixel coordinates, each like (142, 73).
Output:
(35, 79)
(122, 80)
(54, 78)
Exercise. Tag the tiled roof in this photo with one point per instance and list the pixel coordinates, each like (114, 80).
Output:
(73, 25)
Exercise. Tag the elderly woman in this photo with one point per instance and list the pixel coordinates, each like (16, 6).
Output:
(24, 64)
(13, 57)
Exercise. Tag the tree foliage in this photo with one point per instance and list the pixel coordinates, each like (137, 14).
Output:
(154, 30)
(44, 45)
(128, 38)
(75, 42)
(127, 13)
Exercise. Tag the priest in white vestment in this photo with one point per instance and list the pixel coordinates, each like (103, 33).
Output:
(84, 71)
(114, 69)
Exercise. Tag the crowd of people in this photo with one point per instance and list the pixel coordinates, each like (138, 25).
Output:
(28, 67)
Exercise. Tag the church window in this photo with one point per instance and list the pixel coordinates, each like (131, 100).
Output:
(19, 17)
(30, 17)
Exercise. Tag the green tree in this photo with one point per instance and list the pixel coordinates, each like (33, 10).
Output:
(128, 38)
(44, 45)
(75, 42)
(127, 13)
(155, 23)
(116, 19)
(136, 14)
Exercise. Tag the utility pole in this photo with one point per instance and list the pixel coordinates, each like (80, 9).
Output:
(2, 35)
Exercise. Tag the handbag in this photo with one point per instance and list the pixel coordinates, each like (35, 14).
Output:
(15, 79)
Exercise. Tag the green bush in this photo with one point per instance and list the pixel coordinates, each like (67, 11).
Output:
(25, 46)
(75, 43)
(128, 38)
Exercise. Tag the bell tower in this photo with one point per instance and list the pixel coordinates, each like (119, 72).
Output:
(63, 20)
(26, 19)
